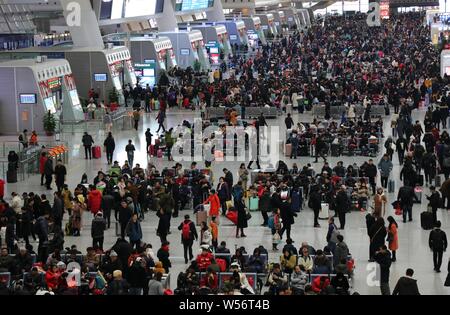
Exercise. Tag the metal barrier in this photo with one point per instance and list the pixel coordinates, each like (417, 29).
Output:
(336, 111)
(252, 111)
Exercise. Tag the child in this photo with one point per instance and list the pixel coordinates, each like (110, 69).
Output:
(214, 231)
(276, 227)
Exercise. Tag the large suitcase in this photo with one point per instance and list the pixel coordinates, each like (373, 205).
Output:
(418, 193)
(287, 149)
(437, 181)
(201, 216)
(253, 204)
(96, 152)
(296, 201)
(426, 220)
(419, 180)
(391, 186)
(11, 176)
(324, 211)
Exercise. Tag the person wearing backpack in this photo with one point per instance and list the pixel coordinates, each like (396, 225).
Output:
(188, 235)
(438, 244)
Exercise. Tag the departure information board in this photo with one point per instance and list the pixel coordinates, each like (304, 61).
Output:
(188, 5)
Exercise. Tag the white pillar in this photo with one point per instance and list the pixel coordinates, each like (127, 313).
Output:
(82, 23)
(167, 22)
(216, 13)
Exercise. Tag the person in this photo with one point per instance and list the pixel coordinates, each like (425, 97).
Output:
(288, 261)
(109, 145)
(287, 217)
(118, 286)
(205, 234)
(155, 286)
(340, 284)
(406, 197)
(438, 244)
(57, 212)
(107, 121)
(188, 235)
(392, 237)
(377, 234)
(276, 279)
(94, 199)
(342, 205)
(125, 214)
(98, 228)
(52, 277)
(379, 201)
(34, 138)
(160, 119)
(134, 231)
(48, 171)
(214, 203)
(299, 278)
(23, 138)
(148, 139)
(87, 141)
(434, 202)
(42, 160)
(385, 166)
(214, 228)
(242, 218)
(130, 152)
(406, 285)
(315, 203)
(371, 173)
(60, 174)
(163, 256)
(332, 234)
(229, 180)
(136, 118)
(243, 176)
(137, 276)
(341, 252)
(383, 258)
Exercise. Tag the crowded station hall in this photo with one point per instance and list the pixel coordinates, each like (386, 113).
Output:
(214, 147)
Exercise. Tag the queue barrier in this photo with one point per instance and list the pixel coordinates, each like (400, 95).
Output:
(252, 111)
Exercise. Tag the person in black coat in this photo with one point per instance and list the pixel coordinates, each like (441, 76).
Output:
(438, 244)
(125, 214)
(107, 205)
(371, 172)
(287, 218)
(123, 250)
(48, 172)
(377, 234)
(163, 224)
(242, 218)
(383, 258)
(188, 241)
(315, 203)
(406, 285)
(110, 146)
(87, 143)
(406, 197)
(342, 204)
(229, 181)
(137, 277)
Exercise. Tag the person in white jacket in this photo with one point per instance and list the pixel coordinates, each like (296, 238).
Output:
(245, 285)
(16, 203)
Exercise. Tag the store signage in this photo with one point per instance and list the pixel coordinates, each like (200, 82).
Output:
(54, 83)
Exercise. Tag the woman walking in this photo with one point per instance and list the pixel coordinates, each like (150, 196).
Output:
(110, 145)
(392, 237)
(243, 176)
(242, 218)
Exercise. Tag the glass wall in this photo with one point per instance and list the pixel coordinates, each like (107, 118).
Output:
(340, 7)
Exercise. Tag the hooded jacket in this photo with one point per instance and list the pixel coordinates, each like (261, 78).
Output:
(406, 286)
(94, 201)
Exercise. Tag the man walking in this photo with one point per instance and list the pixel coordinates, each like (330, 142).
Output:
(87, 143)
(342, 205)
(60, 175)
(48, 172)
(383, 258)
(438, 244)
(371, 172)
(98, 228)
(406, 196)
(406, 285)
(385, 166)
(130, 152)
(148, 139)
(160, 118)
(136, 117)
(188, 234)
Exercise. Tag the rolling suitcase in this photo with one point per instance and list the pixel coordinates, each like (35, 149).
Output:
(201, 216)
(287, 149)
(426, 220)
(391, 186)
(253, 204)
(96, 152)
(11, 176)
(324, 211)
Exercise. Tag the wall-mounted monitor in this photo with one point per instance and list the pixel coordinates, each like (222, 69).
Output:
(233, 37)
(28, 98)
(188, 5)
(149, 61)
(100, 77)
(135, 8)
(185, 52)
(214, 50)
(148, 72)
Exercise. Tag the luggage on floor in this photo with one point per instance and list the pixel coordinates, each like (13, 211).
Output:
(287, 149)
(391, 186)
(296, 201)
(426, 220)
(253, 204)
(201, 216)
(324, 211)
(437, 181)
(232, 216)
(96, 152)
(11, 176)
(418, 192)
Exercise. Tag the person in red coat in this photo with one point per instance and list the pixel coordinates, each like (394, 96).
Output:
(214, 203)
(2, 188)
(210, 280)
(320, 283)
(52, 278)
(204, 259)
(94, 200)
(42, 161)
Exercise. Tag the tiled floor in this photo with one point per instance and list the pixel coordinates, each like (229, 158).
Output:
(413, 251)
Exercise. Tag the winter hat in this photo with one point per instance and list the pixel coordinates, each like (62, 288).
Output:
(113, 254)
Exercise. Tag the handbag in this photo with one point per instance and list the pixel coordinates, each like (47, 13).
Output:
(248, 215)
(390, 237)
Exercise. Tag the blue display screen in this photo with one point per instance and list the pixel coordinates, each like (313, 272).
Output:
(187, 5)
